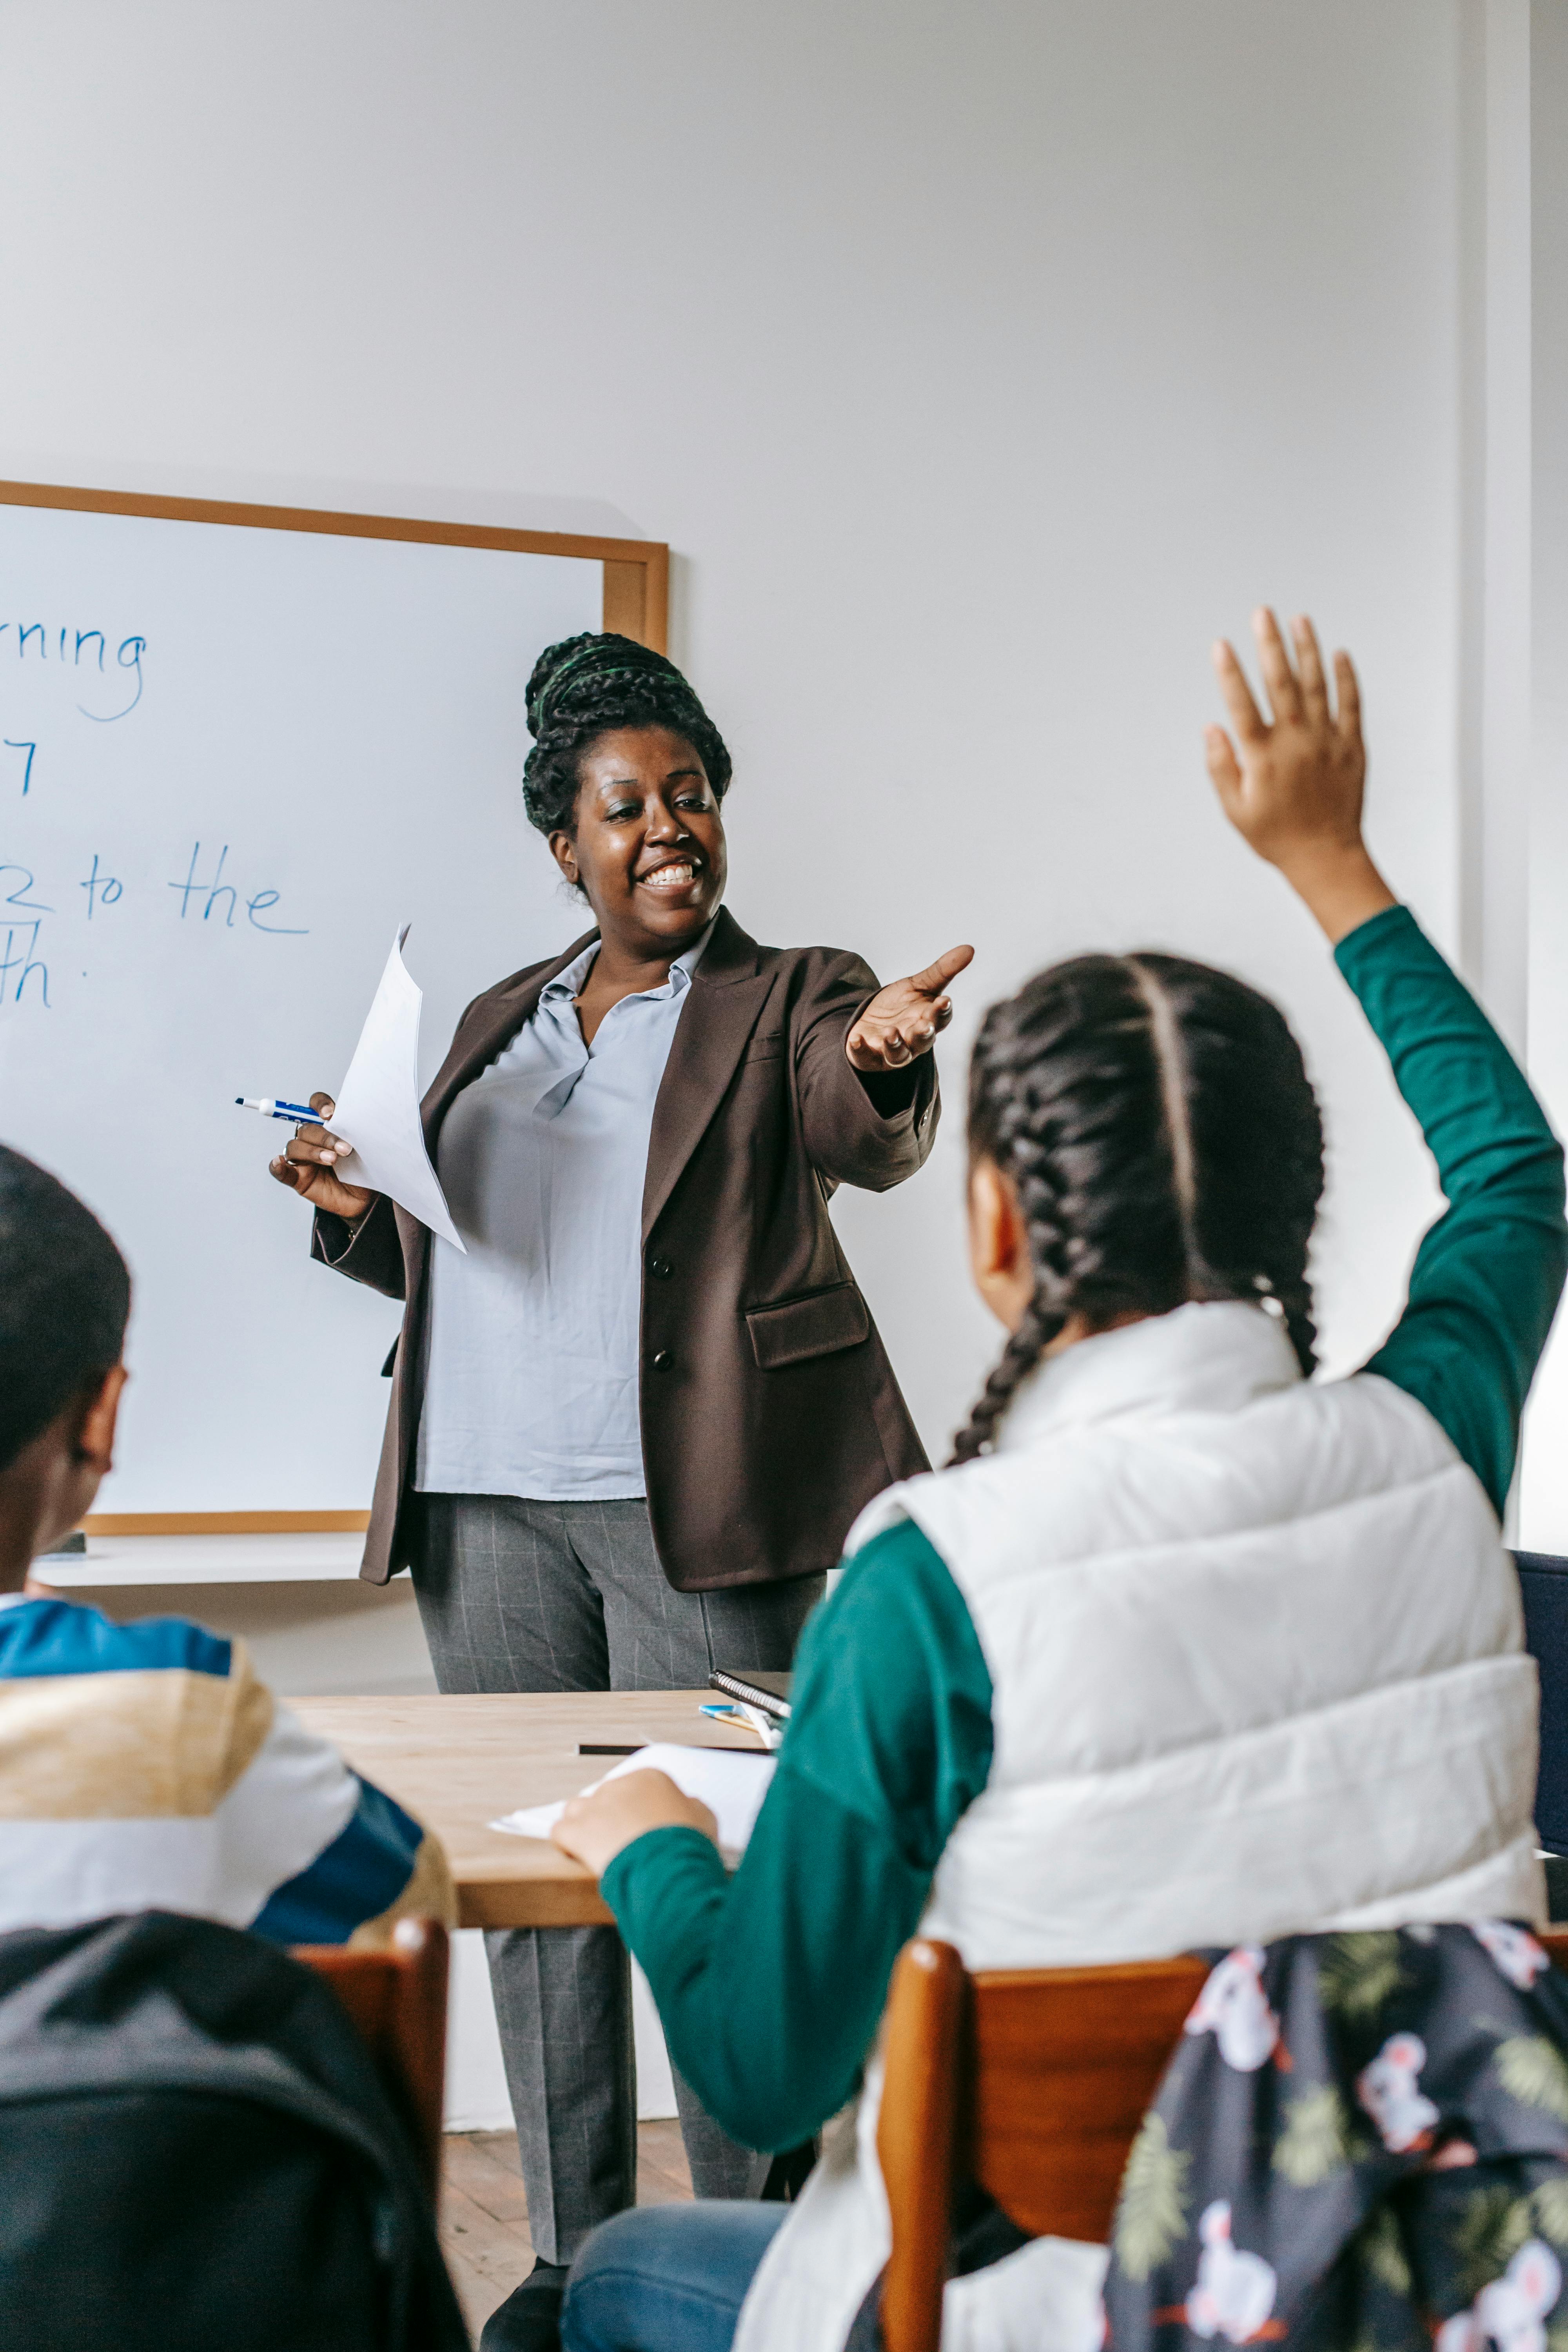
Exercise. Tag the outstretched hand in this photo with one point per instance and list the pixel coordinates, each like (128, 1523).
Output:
(902, 1020)
(1292, 786)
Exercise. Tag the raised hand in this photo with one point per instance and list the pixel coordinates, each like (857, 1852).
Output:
(902, 1020)
(306, 1166)
(1292, 786)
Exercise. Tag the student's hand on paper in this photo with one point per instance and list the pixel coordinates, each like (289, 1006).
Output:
(902, 1020)
(306, 1166)
(1292, 786)
(596, 1826)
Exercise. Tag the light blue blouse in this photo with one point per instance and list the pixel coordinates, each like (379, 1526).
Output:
(533, 1380)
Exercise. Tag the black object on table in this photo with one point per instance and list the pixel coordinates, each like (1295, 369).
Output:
(758, 1687)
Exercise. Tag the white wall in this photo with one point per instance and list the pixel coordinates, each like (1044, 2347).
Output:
(1544, 1519)
(980, 364)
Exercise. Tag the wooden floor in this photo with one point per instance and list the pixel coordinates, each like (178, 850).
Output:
(484, 2213)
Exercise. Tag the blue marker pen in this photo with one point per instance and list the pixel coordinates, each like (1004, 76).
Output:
(270, 1109)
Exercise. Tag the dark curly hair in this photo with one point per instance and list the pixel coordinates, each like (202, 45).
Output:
(64, 1295)
(583, 687)
(1158, 1123)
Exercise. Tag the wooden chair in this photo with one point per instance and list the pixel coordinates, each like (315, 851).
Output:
(1033, 2084)
(397, 1999)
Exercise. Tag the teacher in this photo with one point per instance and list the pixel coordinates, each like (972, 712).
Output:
(630, 1428)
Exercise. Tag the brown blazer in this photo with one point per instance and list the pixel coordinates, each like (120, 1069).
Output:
(770, 1412)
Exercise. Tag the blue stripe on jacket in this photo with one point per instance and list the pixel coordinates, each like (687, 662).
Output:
(61, 1637)
(358, 1876)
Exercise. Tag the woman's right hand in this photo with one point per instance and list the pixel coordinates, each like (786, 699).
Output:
(307, 1163)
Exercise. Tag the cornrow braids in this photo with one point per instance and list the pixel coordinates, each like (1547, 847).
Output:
(583, 688)
(1257, 1144)
(1157, 1123)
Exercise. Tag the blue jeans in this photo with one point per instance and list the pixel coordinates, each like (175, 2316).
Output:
(667, 2278)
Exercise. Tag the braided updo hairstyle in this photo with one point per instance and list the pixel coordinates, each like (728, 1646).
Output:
(1158, 1123)
(588, 684)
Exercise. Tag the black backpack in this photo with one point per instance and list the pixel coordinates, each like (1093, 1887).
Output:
(196, 2152)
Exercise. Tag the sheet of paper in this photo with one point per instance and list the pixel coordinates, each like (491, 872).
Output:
(378, 1105)
(730, 1781)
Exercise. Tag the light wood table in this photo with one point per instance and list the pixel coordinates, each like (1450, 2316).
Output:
(459, 1763)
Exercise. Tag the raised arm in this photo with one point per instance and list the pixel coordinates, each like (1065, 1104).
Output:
(1487, 1274)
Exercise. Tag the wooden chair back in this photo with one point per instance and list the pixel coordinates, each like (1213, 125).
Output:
(397, 2001)
(1032, 2082)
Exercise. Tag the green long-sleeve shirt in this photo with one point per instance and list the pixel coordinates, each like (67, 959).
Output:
(771, 1984)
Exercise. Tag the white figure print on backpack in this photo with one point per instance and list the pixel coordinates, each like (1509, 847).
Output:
(1234, 2292)
(1234, 2008)
(1390, 2092)
(1510, 2314)
(1513, 1950)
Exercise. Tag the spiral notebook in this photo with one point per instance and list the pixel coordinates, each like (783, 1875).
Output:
(768, 1692)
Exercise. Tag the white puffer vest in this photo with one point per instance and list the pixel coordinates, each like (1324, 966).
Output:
(1257, 1668)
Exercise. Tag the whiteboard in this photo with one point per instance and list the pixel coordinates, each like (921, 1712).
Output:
(232, 760)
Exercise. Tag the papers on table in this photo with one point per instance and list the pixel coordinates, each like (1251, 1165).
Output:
(378, 1105)
(730, 1781)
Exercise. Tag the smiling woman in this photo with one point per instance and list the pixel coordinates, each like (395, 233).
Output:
(646, 839)
(630, 1427)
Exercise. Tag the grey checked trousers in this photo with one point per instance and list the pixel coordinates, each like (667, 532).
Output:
(520, 1596)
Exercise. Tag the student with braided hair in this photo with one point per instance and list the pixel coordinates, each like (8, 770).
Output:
(1187, 1216)
(600, 1413)
(1184, 1649)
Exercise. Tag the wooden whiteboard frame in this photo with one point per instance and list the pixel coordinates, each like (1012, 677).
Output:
(636, 570)
(635, 603)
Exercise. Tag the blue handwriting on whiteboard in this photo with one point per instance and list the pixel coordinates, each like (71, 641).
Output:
(128, 657)
(103, 888)
(262, 901)
(21, 960)
(18, 896)
(31, 750)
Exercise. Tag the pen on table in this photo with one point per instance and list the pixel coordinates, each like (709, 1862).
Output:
(270, 1109)
(746, 1719)
(635, 1746)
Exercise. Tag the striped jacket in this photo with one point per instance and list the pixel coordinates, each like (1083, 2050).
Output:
(144, 1766)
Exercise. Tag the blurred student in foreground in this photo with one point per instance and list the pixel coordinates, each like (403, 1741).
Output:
(143, 1766)
(1184, 1648)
